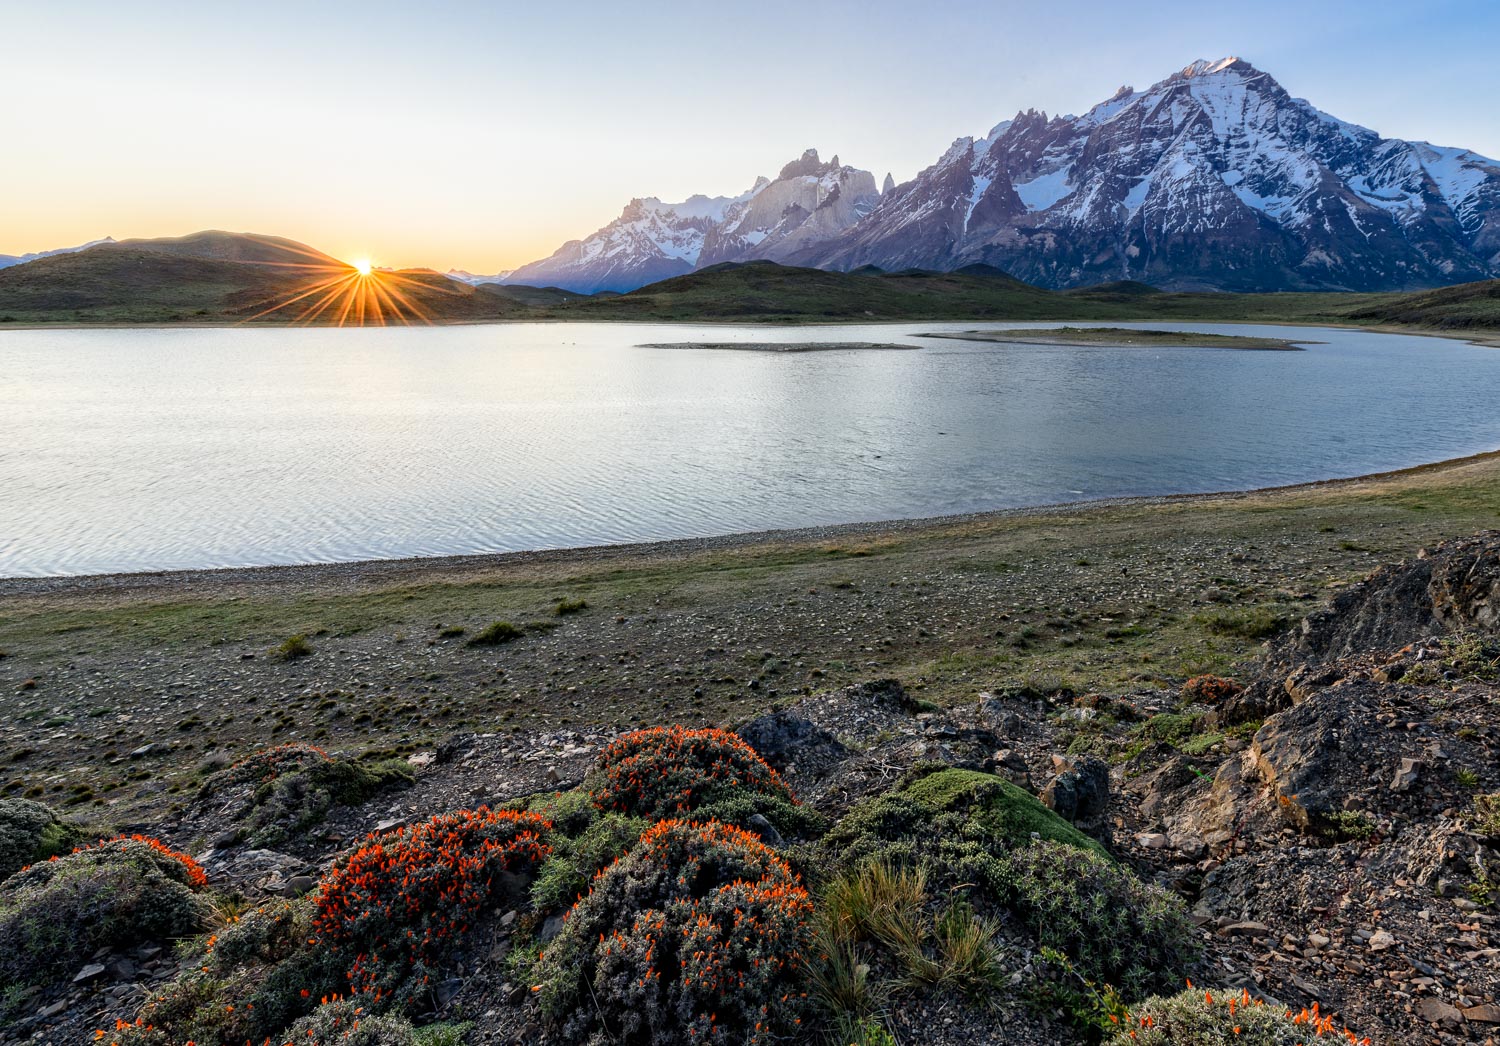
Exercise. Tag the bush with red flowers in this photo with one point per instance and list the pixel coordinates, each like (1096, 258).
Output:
(711, 774)
(122, 891)
(395, 908)
(1210, 690)
(699, 934)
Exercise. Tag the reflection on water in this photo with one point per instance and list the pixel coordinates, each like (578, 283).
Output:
(153, 449)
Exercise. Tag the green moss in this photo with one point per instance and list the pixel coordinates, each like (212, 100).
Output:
(1004, 811)
(30, 832)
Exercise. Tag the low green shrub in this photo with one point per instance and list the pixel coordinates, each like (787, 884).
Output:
(496, 633)
(31, 832)
(244, 984)
(1209, 1018)
(1487, 815)
(712, 775)
(292, 648)
(395, 908)
(1116, 929)
(584, 839)
(698, 934)
(118, 892)
(295, 785)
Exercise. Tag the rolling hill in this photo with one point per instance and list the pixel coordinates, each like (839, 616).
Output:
(221, 277)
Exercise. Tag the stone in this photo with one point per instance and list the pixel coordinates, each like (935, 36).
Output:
(758, 824)
(298, 885)
(550, 928)
(1247, 929)
(1381, 941)
(122, 970)
(1153, 840)
(1406, 775)
(1436, 1011)
(93, 971)
(421, 760)
(53, 1010)
(1484, 1013)
(1081, 792)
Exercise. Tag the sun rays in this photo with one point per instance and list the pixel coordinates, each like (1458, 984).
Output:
(357, 294)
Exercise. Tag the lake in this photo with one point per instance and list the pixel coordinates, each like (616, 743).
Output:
(130, 450)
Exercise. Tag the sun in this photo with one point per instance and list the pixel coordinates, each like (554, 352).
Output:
(362, 266)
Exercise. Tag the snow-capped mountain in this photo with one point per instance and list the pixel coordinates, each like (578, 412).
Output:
(474, 279)
(806, 204)
(7, 260)
(1214, 178)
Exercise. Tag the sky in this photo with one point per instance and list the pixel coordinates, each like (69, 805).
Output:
(483, 135)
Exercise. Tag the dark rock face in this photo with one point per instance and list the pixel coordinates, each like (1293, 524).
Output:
(1081, 794)
(1452, 587)
(1213, 178)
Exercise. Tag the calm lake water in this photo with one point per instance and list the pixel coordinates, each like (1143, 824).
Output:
(151, 449)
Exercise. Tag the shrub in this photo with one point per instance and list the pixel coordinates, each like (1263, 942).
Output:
(1206, 1018)
(956, 824)
(1487, 815)
(584, 839)
(1210, 690)
(395, 907)
(711, 774)
(347, 1022)
(117, 892)
(292, 648)
(496, 633)
(570, 606)
(31, 832)
(698, 934)
(295, 785)
(244, 984)
(1117, 930)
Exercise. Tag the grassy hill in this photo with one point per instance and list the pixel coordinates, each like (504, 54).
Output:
(219, 277)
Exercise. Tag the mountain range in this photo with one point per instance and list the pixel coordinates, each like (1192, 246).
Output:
(1214, 178)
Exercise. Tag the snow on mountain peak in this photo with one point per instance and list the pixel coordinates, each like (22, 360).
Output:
(1206, 68)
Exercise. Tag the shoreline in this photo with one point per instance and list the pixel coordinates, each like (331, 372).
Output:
(357, 573)
(1489, 339)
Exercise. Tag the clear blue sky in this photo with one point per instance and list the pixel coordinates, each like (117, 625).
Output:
(483, 135)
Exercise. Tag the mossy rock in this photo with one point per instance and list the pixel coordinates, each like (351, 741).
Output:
(31, 832)
(1000, 811)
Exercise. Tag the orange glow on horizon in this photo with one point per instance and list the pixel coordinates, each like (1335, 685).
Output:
(350, 295)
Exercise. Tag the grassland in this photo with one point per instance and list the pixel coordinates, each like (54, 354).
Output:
(116, 693)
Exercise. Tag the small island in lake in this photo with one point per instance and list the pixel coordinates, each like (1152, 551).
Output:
(1119, 338)
(776, 346)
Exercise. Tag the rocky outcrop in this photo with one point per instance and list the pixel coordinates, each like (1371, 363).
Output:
(1451, 588)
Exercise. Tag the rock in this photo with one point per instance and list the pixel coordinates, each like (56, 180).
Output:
(784, 738)
(551, 927)
(1381, 941)
(1453, 587)
(1436, 1011)
(1484, 1013)
(1259, 701)
(93, 971)
(298, 885)
(1247, 929)
(509, 918)
(389, 823)
(447, 989)
(1407, 775)
(553, 777)
(1081, 792)
(122, 970)
(421, 760)
(144, 750)
(1153, 840)
(52, 1010)
(758, 824)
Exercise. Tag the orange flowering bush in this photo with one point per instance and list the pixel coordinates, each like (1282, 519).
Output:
(713, 774)
(118, 891)
(1210, 690)
(347, 1022)
(698, 934)
(395, 907)
(1208, 1018)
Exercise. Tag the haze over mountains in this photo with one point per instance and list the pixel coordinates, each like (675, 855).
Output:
(1214, 178)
